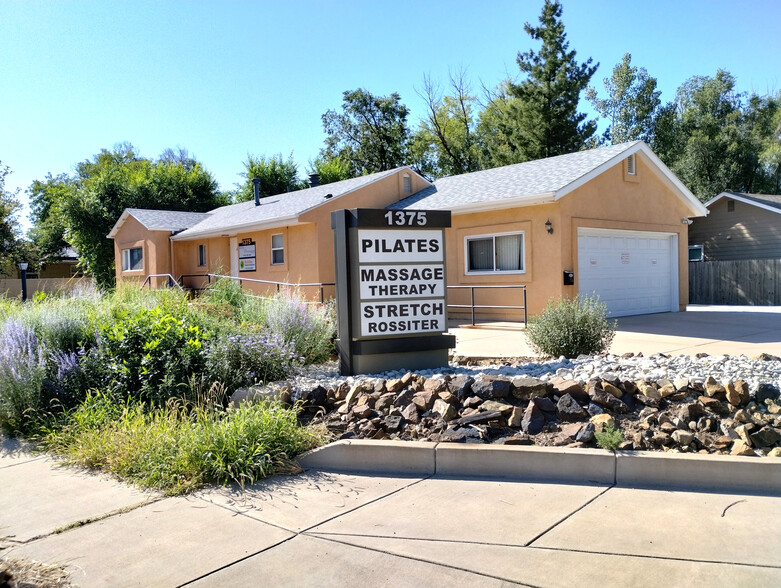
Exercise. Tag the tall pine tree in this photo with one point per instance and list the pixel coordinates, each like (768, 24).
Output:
(544, 120)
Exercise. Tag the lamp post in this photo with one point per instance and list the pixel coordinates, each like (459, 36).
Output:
(23, 268)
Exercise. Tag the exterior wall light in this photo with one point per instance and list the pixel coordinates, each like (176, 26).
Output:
(549, 226)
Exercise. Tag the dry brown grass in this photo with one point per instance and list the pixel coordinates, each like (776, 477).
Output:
(26, 573)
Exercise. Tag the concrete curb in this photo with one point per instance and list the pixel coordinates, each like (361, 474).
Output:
(716, 473)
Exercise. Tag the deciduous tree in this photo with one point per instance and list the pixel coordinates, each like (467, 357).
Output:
(631, 104)
(370, 133)
(276, 175)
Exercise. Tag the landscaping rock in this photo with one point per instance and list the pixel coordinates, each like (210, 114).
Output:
(489, 387)
(526, 388)
(463, 435)
(533, 420)
(569, 410)
(766, 391)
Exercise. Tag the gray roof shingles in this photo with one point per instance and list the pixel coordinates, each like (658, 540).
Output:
(167, 220)
(532, 178)
(278, 207)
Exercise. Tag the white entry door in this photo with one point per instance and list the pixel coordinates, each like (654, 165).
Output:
(633, 272)
(234, 246)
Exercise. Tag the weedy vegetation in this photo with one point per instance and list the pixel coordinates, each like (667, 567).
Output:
(138, 383)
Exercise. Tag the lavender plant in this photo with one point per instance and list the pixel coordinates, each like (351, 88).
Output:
(245, 359)
(22, 371)
(310, 328)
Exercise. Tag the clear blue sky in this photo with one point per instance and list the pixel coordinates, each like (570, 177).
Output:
(227, 78)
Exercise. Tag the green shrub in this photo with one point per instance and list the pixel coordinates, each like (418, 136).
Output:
(609, 438)
(227, 292)
(571, 327)
(147, 355)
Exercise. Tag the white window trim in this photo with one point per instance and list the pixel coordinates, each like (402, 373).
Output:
(273, 249)
(493, 236)
(702, 252)
(202, 247)
(126, 258)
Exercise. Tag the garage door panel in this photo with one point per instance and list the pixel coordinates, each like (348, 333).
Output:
(631, 272)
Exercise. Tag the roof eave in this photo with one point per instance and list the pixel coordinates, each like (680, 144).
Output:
(738, 196)
(503, 204)
(117, 225)
(233, 230)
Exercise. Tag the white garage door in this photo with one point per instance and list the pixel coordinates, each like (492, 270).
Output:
(633, 272)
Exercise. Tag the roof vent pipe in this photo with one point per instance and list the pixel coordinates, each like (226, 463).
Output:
(314, 180)
(256, 189)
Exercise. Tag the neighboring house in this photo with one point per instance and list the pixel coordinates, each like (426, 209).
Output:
(62, 266)
(612, 220)
(738, 226)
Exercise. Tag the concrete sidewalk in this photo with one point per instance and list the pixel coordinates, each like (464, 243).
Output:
(715, 330)
(356, 529)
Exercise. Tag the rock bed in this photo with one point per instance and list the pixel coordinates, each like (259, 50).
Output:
(706, 404)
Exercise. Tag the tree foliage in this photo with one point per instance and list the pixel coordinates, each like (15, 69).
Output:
(446, 142)
(330, 170)
(715, 138)
(543, 120)
(631, 104)
(370, 134)
(10, 241)
(276, 175)
(88, 203)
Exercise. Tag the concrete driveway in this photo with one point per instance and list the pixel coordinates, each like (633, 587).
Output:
(715, 330)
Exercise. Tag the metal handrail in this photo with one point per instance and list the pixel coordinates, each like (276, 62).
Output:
(473, 306)
(320, 285)
(171, 281)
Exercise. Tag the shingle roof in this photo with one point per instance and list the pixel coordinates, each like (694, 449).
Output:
(532, 179)
(160, 220)
(768, 200)
(277, 208)
(167, 220)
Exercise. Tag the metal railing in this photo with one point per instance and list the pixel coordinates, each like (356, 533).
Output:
(170, 283)
(278, 285)
(473, 306)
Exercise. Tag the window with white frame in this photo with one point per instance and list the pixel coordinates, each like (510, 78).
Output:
(277, 249)
(201, 255)
(501, 253)
(696, 252)
(132, 259)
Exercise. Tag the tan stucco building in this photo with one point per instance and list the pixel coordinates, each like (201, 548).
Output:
(615, 218)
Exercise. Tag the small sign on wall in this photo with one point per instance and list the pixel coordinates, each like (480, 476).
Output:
(247, 255)
(625, 258)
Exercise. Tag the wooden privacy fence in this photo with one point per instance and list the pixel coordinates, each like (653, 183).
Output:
(749, 281)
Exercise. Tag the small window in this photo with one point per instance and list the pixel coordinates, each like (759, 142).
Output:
(75, 271)
(201, 255)
(730, 206)
(630, 165)
(696, 252)
(132, 259)
(277, 249)
(407, 184)
(495, 253)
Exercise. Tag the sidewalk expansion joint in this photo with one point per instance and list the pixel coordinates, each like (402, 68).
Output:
(427, 539)
(383, 497)
(660, 557)
(428, 561)
(577, 510)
